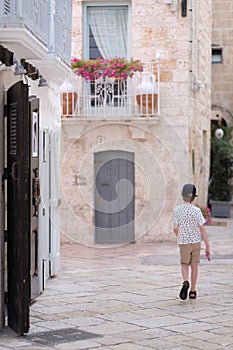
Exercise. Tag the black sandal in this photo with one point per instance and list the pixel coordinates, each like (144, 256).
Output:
(192, 294)
(184, 290)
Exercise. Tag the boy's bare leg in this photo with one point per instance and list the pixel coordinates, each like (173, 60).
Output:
(185, 286)
(185, 272)
(194, 273)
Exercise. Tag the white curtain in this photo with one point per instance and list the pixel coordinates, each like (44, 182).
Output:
(109, 28)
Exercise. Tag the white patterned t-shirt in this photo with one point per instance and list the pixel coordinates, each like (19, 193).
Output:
(188, 218)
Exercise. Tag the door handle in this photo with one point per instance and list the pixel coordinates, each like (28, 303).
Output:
(36, 191)
(36, 199)
(14, 171)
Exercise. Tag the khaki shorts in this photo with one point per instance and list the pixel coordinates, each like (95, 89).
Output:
(190, 253)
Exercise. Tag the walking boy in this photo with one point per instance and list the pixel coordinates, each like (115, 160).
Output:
(189, 229)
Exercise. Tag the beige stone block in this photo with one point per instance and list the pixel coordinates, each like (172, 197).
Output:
(222, 6)
(180, 76)
(166, 76)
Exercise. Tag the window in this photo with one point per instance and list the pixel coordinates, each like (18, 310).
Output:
(106, 30)
(106, 35)
(217, 55)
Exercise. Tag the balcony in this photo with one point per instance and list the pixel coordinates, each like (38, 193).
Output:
(135, 97)
(39, 31)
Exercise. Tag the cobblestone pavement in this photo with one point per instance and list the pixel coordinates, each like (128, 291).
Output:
(126, 298)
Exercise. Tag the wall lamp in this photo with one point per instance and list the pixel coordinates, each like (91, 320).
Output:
(19, 69)
(27, 69)
(42, 81)
(33, 73)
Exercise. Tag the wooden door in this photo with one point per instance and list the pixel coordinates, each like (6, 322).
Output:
(18, 207)
(114, 197)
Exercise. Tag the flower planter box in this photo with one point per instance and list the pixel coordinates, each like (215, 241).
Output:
(221, 209)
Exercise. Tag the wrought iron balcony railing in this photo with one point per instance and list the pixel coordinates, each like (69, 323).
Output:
(48, 20)
(109, 97)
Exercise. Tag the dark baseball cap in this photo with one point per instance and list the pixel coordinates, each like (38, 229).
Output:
(189, 191)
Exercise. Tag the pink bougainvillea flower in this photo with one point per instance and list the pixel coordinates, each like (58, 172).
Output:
(117, 67)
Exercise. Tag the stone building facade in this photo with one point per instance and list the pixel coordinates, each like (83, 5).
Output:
(222, 73)
(169, 149)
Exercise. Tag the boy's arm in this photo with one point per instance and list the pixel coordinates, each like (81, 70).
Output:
(206, 240)
(176, 229)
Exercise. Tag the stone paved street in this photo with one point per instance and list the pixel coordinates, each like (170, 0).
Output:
(126, 298)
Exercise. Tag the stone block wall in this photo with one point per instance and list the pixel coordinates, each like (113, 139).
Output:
(222, 73)
(159, 173)
(176, 146)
